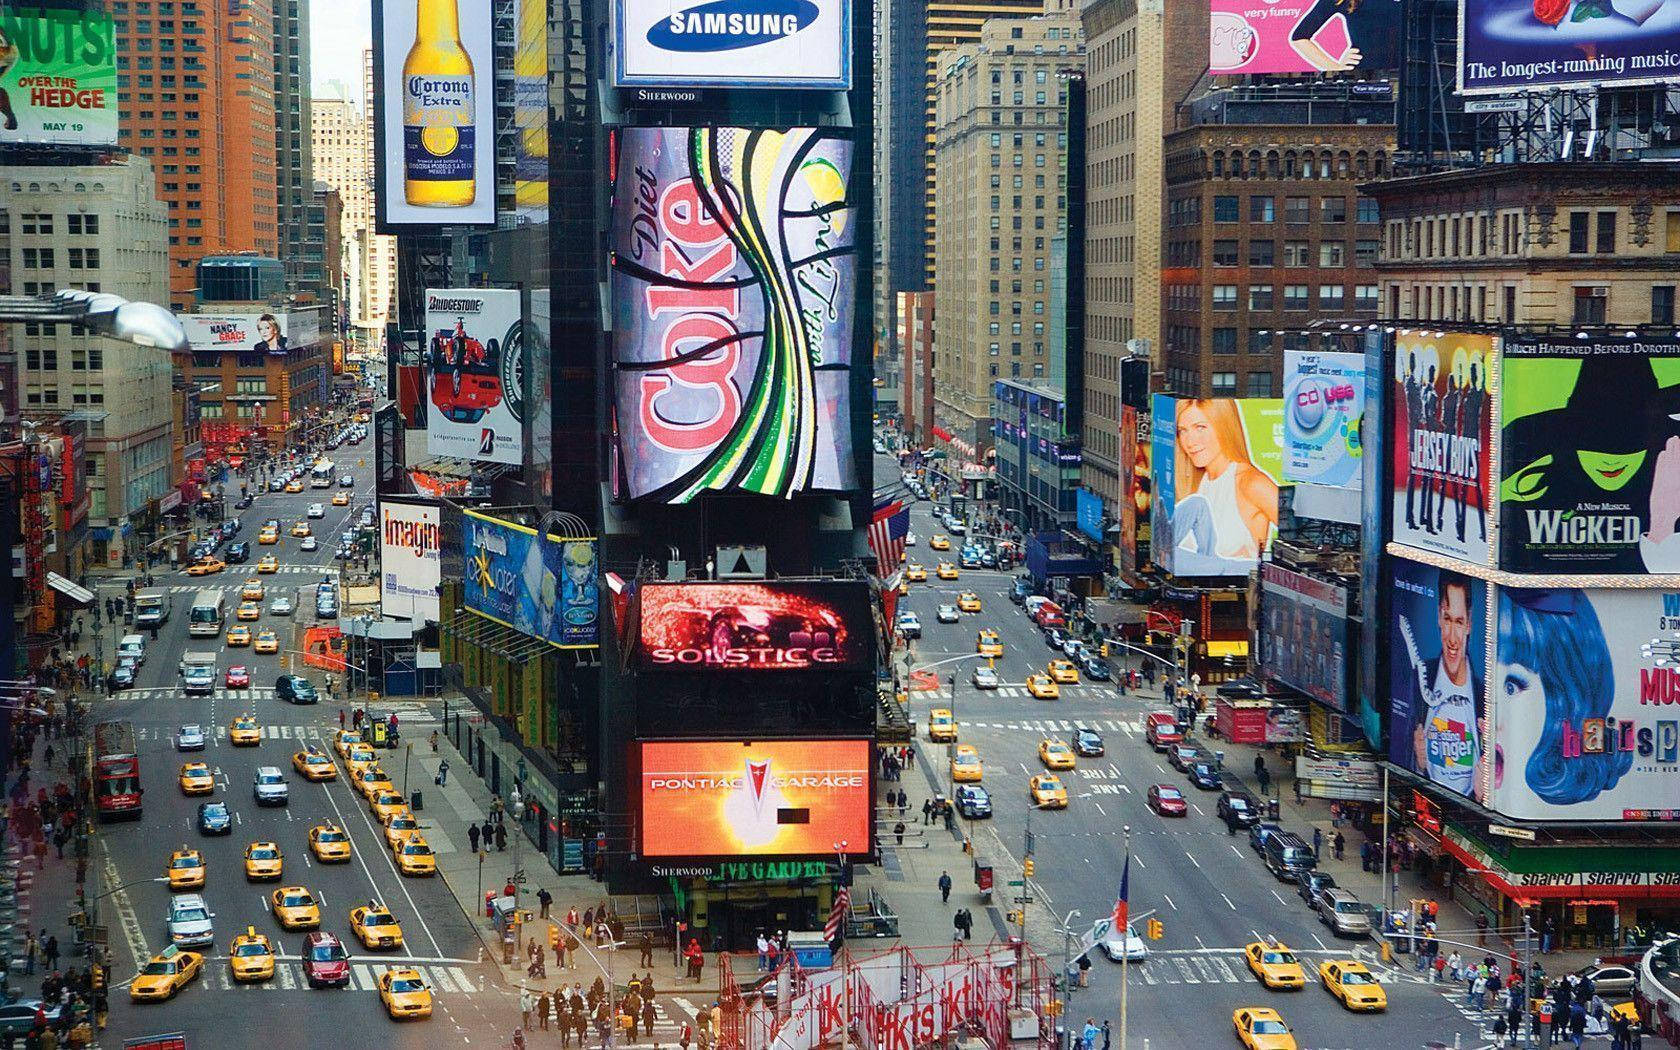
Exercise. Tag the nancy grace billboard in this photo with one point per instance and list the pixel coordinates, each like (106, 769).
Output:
(756, 626)
(734, 281)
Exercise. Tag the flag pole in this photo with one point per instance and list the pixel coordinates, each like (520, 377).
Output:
(1125, 946)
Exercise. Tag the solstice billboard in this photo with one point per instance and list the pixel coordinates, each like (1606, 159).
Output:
(782, 626)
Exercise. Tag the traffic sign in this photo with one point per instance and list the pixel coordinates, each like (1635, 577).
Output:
(1025, 898)
(1016, 882)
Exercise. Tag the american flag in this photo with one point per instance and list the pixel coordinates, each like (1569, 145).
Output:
(837, 914)
(887, 529)
(1123, 904)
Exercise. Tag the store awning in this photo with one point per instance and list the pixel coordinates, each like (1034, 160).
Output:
(71, 590)
(505, 642)
(1231, 649)
(1607, 870)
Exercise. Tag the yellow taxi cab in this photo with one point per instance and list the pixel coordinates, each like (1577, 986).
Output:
(266, 641)
(939, 542)
(314, 765)
(1047, 791)
(263, 860)
(268, 536)
(942, 725)
(245, 732)
(1274, 964)
(1055, 754)
(358, 757)
(301, 529)
(987, 643)
(165, 974)
(206, 566)
(248, 611)
(252, 956)
(370, 780)
(965, 765)
(253, 591)
(341, 498)
(1353, 984)
(415, 857)
(1064, 671)
(400, 826)
(946, 571)
(375, 926)
(915, 572)
(295, 908)
(294, 486)
(1043, 686)
(968, 601)
(268, 564)
(1261, 1028)
(904, 585)
(238, 635)
(196, 779)
(186, 869)
(343, 740)
(329, 843)
(385, 803)
(404, 993)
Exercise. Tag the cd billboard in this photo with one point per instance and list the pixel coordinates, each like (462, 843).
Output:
(1218, 463)
(1443, 452)
(767, 798)
(1526, 45)
(474, 374)
(1438, 676)
(58, 77)
(733, 290)
(771, 626)
(1323, 401)
(733, 43)
(409, 567)
(545, 586)
(1303, 36)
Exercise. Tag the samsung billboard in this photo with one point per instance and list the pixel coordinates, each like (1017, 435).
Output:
(733, 43)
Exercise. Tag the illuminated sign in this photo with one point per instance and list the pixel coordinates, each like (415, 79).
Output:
(755, 626)
(733, 43)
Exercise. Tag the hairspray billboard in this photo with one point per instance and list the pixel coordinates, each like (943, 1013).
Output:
(1438, 676)
(548, 587)
(1323, 401)
(1590, 436)
(1584, 722)
(1527, 45)
(1218, 465)
(734, 280)
(1443, 452)
(474, 374)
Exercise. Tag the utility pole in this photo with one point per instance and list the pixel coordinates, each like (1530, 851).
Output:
(1125, 948)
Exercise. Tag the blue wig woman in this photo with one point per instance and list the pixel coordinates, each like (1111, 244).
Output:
(1552, 647)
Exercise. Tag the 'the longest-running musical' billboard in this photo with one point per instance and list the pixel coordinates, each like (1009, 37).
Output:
(734, 284)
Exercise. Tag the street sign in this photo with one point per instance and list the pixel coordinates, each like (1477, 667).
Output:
(1025, 898)
(1493, 105)
(1016, 882)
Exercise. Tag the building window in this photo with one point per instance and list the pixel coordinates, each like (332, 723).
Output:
(1366, 210)
(1224, 341)
(1591, 302)
(1297, 254)
(1297, 210)
(1224, 384)
(1606, 233)
(1332, 254)
(1259, 341)
(1259, 384)
(1366, 297)
(1365, 252)
(1510, 304)
(1662, 304)
(1264, 209)
(1260, 253)
(1296, 297)
(1671, 241)
(1334, 209)
(1260, 297)
(1224, 253)
(1224, 297)
(1225, 209)
(1330, 297)
(1578, 233)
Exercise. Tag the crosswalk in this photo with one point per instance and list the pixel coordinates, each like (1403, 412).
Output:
(1044, 726)
(444, 980)
(217, 583)
(1015, 692)
(1226, 966)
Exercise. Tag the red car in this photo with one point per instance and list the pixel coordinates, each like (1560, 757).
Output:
(325, 960)
(465, 375)
(1167, 800)
(238, 677)
(1161, 730)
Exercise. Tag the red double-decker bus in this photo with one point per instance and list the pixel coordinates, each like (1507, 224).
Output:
(115, 765)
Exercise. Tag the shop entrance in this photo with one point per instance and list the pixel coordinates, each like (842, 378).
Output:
(736, 923)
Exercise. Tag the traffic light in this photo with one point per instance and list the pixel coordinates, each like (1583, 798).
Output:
(1027, 868)
(1014, 918)
(1155, 930)
(1053, 1008)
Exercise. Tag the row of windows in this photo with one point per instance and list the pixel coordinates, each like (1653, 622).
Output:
(1225, 342)
(1590, 306)
(1223, 384)
(1263, 252)
(1263, 297)
(45, 359)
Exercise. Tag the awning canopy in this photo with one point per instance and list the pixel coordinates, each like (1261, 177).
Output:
(71, 590)
(505, 642)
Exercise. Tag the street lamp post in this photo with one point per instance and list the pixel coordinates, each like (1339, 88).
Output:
(846, 989)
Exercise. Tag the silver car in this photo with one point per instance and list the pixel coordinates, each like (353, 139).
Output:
(1343, 913)
(948, 614)
(269, 786)
(190, 738)
(985, 678)
(189, 921)
(280, 606)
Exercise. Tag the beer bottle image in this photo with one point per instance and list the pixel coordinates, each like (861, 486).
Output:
(439, 136)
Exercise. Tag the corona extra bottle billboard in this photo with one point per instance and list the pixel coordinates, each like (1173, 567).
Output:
(439, 132)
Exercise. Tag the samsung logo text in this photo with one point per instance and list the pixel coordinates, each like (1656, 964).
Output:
(725, 25)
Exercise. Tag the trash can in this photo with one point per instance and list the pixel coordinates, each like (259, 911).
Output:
(414, 801)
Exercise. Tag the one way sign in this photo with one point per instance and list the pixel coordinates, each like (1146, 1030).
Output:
(741, 563)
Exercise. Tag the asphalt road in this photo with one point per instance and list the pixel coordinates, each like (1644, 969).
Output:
(1210, 890)
(282, 1011)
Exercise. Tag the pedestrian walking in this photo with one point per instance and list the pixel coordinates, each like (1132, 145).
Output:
(1318, 843)
(472, 836)
(1336, 845)
(572, 946)
(645, 943)
(501, 838)
(542, 1010)
(525, 1005)
(1481, 929)
(1107, 1036)
(1577, 1023)
(487, 831)
(944, 887)
(763, 952)
(434, 741)
(443, 772)
(898, 832)
(30, 947)
(927, 811)
(341, 719)
(50, 952)
(649, 1015)
(544, 898)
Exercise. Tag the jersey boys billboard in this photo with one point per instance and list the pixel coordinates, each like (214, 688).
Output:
(474, 376)
(1442, 444)
(733, 43)
(1590, 435)
(782, 626)
(732, 798)
(545, 586)
(733, 290)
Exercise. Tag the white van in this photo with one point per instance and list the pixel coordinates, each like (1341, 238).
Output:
(132, 646)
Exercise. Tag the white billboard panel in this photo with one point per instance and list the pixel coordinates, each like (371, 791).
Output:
(409, 567)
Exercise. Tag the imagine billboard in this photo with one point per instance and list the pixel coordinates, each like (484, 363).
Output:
(1443, 449)
(1303, 36)
(545, 586)
(473, 374)
(1585, 725)
(1591, 477)
(756, 626)
(1525, 45)
(1217, 466)
(1437, 677)
(1323, 401)
(434, 110)
(1303, 633)
(734, 283)
(732, 798)
(733, 43)
(409, 568)
(58, 77)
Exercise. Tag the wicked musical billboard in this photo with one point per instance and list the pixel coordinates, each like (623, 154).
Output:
(1443, 455)
(1590, 436)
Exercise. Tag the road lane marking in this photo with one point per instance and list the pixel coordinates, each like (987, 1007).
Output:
(1233, 907)
(1193, 860)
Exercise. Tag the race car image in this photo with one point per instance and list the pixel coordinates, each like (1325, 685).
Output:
(466, 374)
(780, 626)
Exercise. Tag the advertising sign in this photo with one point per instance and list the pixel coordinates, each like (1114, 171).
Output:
(1303, 633)
(1443, 450)
(1437, 677)
(1323, 401)
(1526, 45)
(474, 375)
(733, 798)
(781, 626)
(1586, 724)
(1137, 454)
(733, 43)
(1088, 514)
(1303, 36)
(263, 333)
(1217, 467)
(1590, 483)
(58, 77)
(545, 586)
(409, 570)
(733, 288)
(434, 112)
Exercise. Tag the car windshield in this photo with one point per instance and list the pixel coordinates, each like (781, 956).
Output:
(406, 984)
(186, 862)
(332, 836)
(378, 918)
(250, 948)
(1349, 907)
(270, 778)
(263, 854)
(193, 914)
(326, 953)
(1278, 957)
(159, 969)
(1170, 793)
(218, 810)
(296, 900)
(1269, 1028)
(1355, 977)
(191, 731)
(417, 848)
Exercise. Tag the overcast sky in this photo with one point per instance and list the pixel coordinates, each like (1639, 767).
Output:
(339, 31)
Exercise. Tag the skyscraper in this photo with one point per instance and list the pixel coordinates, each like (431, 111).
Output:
(293, 170)
(343, 155)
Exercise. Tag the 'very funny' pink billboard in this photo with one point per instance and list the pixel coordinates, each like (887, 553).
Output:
(1303, 36)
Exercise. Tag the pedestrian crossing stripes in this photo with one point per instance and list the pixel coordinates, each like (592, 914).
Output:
(1017, 692)
(1059, 725)
(405, 709)
(288, 976)
(322, 733)
(1228, 968)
